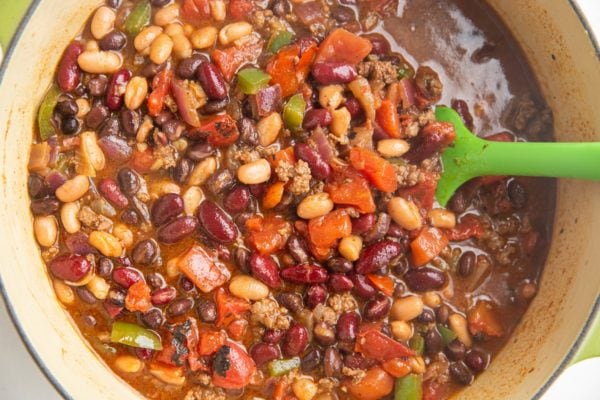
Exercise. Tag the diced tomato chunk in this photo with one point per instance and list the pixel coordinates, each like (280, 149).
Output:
(374, 344)
(376, 169)
(232, 367)
(210, 342)
(221, 130)
(240, 9)
(142, 161)
(348, 187)
(483, 318)
(469, 226)
(195, 11)
(383, 283)
(422, 193)
(388, 119)
(325, 231)
(138, 297)
(230, 59)
(396, 367)
(229, 307)
(427, 245)
(198, 267)
(344, 47)
(268, 234)
(290, 67)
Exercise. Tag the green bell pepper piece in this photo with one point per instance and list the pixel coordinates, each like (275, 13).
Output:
(446, 333)
(283, 366)
(138, 18)
(278, 40)
(408, 388)
(417, 343)
(293, 112)
(251, 80)
(46, 112)
(135, 336)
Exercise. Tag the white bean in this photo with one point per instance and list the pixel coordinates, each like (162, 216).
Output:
(68, 217)
(255, 172)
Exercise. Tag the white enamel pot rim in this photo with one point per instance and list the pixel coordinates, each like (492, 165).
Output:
(532, 347)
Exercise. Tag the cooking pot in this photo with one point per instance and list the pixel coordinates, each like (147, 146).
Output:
(558, 329)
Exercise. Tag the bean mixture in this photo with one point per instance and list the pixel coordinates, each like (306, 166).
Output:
(235, 199)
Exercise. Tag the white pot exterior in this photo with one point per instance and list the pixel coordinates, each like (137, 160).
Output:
(542, 344)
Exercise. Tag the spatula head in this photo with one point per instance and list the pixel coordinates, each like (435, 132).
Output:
(459, 159)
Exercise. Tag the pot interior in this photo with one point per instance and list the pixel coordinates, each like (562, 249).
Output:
(567, 67)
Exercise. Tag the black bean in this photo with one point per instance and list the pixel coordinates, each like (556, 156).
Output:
(114, 40)
(36, 186)
(85, 295)
(180, 307)
(461, 373)
(311, 360)
(151, 69)
(332, 362)
(207, 311)
(105, 267)
(425, 279)
(113, 3)
(200, 151)
(69, 125)
(284, 203)
(281, 8)
(339, 264)
(130, 121)
(153, 319)
(343, 14)
(220, 181)
(155, 280)
(376, 308)
(46, 206)
(185, 284)
(159, 3)
(476, 360)
(141, 209)
(163, 117)
(97, 85)
(214, 106)
(241, 257)
(145, 252)
(458, 203)
(129, 181)
(187, 68)
(433, 342)
(173, 129)
(248, 132)
(96, 116)
(130, 217)
(116, 297)
(442, 313)
(181, 172)
(466, 263)
(291, 301)
(111, 127)
(427, 316)
(456, 350)
(297, 249)
(517, 194)
(67, 107)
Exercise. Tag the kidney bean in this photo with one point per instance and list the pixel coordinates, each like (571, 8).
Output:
(129, 181)
(212, 81)
(248, 132)
(144, 354)
(111, 191)
(339, 265)
(461, 373)
(200, 151)
(70, 267)
(96, 116)
(425, 279)
(111, 127)
(379, 229)
(179, 307)
(362, 287)
(116, 89)
(380, 45)
(332, 362)
(177, 230)
(343, 15)
(311, 360)
(363, 224)
(305, 274)
(220, 181)
(291, 301)
(347, 326)
(456, 350)
(265, 270)
(433, 342)
(354, 107)
(54, 180)
(319, 168)
(295, 340)
(69, 73)
(237, 199)
(130, 121)
(163, 296)
(377, 256)
(329, 73)
(476, 360)
(262, 353)
(185, 284)
(376, 308)
(114, 40)
(461, 107)
(145, 252)
(166, 208)
(216, 223)
(466, 263)
(78, 243)
(316, 117)
(207, 311)
(125, 277)
(45, 206)
(214, 106)
(153, 319)
(187, 69)
(315, 295)
(115, 148)
(272, 336)
(174, 129)
(340, 283)
(297, 249)
(97, 85)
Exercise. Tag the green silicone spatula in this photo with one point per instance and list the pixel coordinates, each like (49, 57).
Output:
(470, 156)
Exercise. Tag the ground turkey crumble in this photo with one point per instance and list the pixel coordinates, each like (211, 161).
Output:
(298, 173)
(268, 313)
(205, 393)
(93, 220)
(384, 71)
(341, 303)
